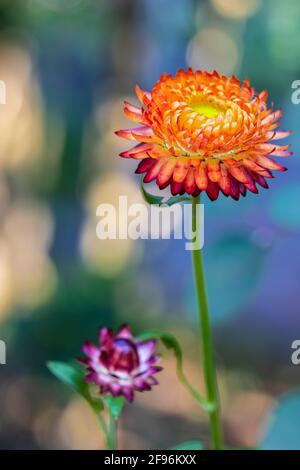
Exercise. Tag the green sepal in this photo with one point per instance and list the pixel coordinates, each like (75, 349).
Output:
(115, 405)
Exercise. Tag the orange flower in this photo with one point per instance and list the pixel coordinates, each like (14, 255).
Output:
(201, 131)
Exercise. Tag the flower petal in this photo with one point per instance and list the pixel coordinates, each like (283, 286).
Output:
(180, 170)
(237, 171)
(234, 188)
(134, 113)
(145, 165)
(139, 149)
(276, 135)
(189, 182)
(213, 170)
(146, 349)
(128, 393)
(260, 180)
(224, 181)
(90, 350)
(166, 171)
(243, 190)
(124, 332)
(142, 134)
(143, 96)
(105, 336)
(212, 190)
(153, 171)
(176, 187)
(268, 163)
(201, 177)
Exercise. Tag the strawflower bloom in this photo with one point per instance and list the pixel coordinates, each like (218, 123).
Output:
(121, 364)
(201, 131)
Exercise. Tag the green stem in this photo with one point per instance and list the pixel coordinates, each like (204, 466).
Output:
(206, 340)
(112, 433)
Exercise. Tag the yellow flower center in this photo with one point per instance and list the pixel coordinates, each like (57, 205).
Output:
(206, 109)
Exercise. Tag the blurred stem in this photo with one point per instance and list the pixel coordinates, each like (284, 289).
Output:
(109, 430)
(112, 433)
(102, 424)
(206, 339)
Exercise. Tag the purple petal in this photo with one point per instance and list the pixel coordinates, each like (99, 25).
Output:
(155, 369)
(115, 389)
(153, 359)
(141, 385)
(152, 380)
(146, 349)
(90, 350)
(128, 393)
(105, 337)
(150, 371)
(103, 379)
(124, 332)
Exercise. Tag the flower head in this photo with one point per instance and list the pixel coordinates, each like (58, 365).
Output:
(201, 131)
(121, 363)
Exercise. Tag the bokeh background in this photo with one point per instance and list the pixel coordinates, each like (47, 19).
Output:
(68, 65)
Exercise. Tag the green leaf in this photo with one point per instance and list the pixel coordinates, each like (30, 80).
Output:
(189, 445)
(159, 200)
(74, 377)
(115, 405)
(170, 342)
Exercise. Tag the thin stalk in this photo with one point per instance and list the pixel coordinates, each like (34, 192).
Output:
(112, 433)
(209, 367)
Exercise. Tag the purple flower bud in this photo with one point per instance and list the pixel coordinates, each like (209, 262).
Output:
(121, 364)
